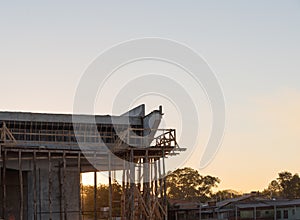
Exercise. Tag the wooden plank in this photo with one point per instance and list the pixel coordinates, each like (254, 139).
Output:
(142, 202)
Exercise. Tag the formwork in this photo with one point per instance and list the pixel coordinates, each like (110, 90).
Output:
(42, 157)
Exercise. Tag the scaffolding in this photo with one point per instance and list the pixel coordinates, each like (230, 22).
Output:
(39, 159)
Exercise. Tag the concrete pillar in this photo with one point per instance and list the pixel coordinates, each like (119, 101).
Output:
(72, 185)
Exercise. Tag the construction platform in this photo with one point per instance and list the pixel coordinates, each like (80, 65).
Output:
(42, 157)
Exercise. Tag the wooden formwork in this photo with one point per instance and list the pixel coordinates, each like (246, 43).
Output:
(143, 172)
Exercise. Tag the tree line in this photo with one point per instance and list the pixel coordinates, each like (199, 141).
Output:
(286, 185)
(188, 184)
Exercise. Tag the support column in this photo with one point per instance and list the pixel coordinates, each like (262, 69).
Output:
(34, 186)
(160, 181)
(21, 185)
(79, 189)
(65, 202)
(146, 184)
(127, 193)
(132, 185)
(50, 185)
(155, 178)
(95, 195)
(40, 195)
(110, 186)
(4, 184)
(123, 201)
(165, 187)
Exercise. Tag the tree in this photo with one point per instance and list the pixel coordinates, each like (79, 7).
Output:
(286, 185)
(273, 190)
(188, 184)
(102, 198)
(290, 184)
(226, 194)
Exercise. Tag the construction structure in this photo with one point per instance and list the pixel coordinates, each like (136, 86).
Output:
(42, 157)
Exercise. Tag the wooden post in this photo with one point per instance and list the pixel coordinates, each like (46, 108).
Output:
(79, 191)
(1, 181)
(21, 185)
(155, 178)
(34, 186)
(95, 195)
(40, 195)
(139, 180)
(160, 180)
(123, 201)
(128, 184)
(139, 173)
(50, 185)
(4, 184)
(132, 185)
(64, 187)
(110, 186)
(147, 182)
(60, 192)
(165, 187)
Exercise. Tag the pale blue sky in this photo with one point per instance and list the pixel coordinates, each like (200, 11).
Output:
(253, 46)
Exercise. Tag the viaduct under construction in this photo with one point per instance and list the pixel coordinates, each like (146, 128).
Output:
(42, 157)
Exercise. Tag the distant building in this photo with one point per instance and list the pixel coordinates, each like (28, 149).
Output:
(246, 207)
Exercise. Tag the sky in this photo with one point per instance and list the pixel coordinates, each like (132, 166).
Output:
(252, 46)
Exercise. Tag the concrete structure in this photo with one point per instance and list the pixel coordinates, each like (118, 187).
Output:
(41, 162)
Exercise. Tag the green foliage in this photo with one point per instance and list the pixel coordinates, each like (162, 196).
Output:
(188, 184)
(286, 185)
(226, 194)
(102, 199)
